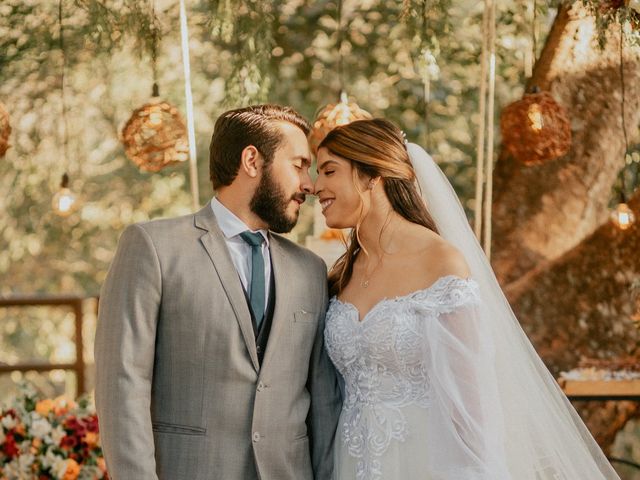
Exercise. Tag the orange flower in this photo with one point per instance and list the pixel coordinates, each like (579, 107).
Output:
(91, 439)
(36, 443)
(102, 465)
(332, 234)
(20, 430)
(72, 471)
(43, 407)
(63, 404)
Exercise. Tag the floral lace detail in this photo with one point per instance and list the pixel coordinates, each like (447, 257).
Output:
(382, 361)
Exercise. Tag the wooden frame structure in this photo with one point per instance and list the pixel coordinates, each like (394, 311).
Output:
(73, 302)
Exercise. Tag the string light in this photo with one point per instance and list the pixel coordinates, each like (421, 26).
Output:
(64, 202)
(622, 215)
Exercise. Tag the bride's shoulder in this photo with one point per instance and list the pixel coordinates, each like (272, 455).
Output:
(442, 259)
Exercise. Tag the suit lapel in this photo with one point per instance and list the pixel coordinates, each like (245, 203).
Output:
(213, 242)
(282, 312)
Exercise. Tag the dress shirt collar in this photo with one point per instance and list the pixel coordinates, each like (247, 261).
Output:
(229, 223)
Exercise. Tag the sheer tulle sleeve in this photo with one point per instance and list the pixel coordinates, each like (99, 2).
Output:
(465, 421)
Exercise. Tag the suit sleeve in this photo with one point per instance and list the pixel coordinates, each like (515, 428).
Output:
(326, 402)
(124, 353)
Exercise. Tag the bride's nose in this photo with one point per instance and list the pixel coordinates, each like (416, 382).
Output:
(317, 186)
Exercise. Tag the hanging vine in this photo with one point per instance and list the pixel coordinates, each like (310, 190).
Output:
(245, 29)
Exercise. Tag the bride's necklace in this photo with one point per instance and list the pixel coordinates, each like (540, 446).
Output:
(364, 283)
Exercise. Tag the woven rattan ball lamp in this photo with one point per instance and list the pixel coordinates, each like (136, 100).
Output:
(155, 136)
(5, 130)
(332, 116)
(536, 129)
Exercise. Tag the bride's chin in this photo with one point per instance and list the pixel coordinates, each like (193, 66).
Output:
(329, 223)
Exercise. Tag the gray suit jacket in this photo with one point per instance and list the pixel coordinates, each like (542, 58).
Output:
(179, 391)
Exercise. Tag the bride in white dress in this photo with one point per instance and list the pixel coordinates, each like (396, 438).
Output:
(440, 381)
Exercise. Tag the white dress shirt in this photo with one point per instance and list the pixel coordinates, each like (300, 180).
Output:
(240, 250)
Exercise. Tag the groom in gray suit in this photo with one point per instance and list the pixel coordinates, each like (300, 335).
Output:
(209, 347)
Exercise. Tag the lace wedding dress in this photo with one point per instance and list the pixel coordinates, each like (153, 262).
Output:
(443, 383)
(418, 388)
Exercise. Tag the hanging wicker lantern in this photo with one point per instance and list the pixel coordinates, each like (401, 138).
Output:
(155, 136)
(536, 129)
(5, 130)
(332, 116)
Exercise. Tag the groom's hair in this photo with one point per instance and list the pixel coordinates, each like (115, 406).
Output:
(237, 129)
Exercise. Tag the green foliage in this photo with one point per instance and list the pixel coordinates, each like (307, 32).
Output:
(245, 29)
(241, 52)
(610, 14)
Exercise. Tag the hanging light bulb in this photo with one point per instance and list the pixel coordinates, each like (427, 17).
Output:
(64, 201)
(342, 111)
(155, 115)
(622, 216)
(536, 120)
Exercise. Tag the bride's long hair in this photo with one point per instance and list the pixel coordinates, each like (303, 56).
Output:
(375, 148)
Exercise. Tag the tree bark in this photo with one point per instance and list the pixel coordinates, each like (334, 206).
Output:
(581, 305)
(543, 211)
(566, 269)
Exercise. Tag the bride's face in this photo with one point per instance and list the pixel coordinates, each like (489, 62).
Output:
(338, 195)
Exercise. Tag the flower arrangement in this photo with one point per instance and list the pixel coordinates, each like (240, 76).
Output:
(49, 439)
(594, 369)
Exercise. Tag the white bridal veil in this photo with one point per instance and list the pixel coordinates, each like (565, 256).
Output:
(539, 432)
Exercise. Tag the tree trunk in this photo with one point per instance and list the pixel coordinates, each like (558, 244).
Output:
(582, 305)
(566, 270)
(541, 212)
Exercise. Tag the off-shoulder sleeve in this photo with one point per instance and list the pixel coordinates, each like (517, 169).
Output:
(466, 440)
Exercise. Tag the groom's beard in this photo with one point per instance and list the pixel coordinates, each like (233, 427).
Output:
(270, 203)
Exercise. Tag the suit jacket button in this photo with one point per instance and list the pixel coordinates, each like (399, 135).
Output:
(256, 437)
(260, 386)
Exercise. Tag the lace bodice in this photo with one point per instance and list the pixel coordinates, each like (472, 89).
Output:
(383, 361)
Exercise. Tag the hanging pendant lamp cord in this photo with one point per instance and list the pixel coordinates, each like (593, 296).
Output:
(65, 126)
(154, 50)
(624, 125)
(340, 41)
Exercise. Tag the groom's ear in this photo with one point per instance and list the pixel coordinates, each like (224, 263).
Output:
(251, 161)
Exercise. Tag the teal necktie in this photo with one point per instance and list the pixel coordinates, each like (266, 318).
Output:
(256, 289)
